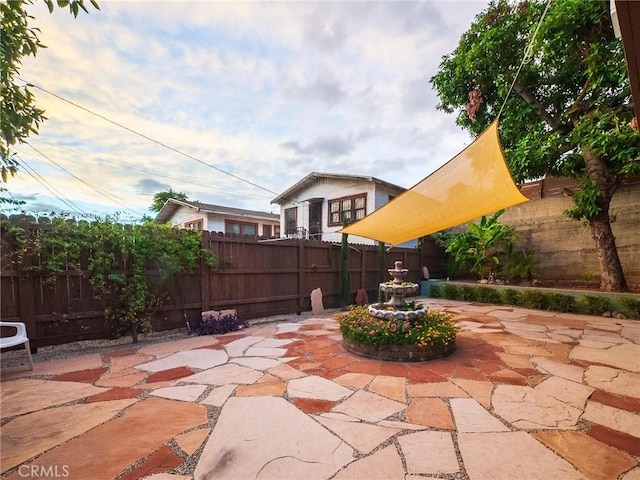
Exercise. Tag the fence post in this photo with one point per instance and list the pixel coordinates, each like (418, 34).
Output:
(363, 252)
(301, 278)
(205, 271)
(26, 299)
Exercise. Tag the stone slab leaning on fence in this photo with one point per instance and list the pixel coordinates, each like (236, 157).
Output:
(316, 302)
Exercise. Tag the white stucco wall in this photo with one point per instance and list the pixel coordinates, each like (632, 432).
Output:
(184, 215)
(213, 222)
(330, 189)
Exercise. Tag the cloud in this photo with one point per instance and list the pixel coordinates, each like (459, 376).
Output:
(331, 146)
(150, 186)
(265, 91)
(326, 91)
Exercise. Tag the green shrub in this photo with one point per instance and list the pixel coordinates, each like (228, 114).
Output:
(429, 329)
(593, 305)
(535, 299)
(511, 297)
(435, 291)
(558, 302)
(452, 292)
(631, 307)
(487, 295)
(467, 293)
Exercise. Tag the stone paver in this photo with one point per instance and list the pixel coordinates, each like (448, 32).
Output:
(625, 357)
(226, 374)
(595, 459)
(382, 465)
(390, 387)
(369, 407)
(317, 387)
(218, 396)
(485, 458)
(185, 393)
(570, 372)
(29, 395)
(528, 395)
(479, 390)
(283, 443)
(139, 426)
(437, 389)
(34, 433)
(429, 452)
(571, 393)
(189, 442)
(613, 380)
(526, 408)
(363, 437)
(469, 416)
(431, 412)
(614, 418)
(200, 358)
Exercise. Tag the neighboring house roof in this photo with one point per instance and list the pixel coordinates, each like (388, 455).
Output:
(310, 179)
(170, 207)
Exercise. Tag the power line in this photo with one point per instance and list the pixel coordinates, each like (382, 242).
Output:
(104, 193)
(38, 178)
(146, 137)
(148, 172)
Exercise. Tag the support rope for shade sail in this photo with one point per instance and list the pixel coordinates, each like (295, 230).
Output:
(475, 182)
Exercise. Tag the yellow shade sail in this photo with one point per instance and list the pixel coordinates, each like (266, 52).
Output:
(475, 182)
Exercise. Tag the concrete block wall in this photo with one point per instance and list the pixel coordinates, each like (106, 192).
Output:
(564, 247)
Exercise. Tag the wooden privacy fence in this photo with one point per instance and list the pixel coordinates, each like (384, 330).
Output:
(257, 278)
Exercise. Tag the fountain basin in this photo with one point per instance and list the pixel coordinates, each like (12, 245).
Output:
(401, 315)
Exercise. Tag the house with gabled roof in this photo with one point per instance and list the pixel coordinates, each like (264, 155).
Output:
(218, 218)
(315, 206)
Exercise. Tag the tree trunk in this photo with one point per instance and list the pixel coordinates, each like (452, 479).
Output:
(611, 274)
(134, 332)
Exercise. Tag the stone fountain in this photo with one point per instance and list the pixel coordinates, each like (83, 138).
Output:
(398, 289)
(399, 317)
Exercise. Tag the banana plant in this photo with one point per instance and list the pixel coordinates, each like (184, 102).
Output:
(481, 246)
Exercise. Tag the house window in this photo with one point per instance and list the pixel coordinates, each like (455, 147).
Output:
(241, 228)
(266, 231)
(351, 208)
(291, 221)
(276, 233)
(194, 225)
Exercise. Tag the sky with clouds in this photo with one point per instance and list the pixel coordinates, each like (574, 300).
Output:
(233, 102)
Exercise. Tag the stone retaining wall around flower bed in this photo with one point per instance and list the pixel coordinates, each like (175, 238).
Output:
(399, 353)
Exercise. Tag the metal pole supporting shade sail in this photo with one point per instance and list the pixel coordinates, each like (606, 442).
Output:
(475, 182)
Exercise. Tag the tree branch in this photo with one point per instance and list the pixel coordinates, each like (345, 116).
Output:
(537, 107)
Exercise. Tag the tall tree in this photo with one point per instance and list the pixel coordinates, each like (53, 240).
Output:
(160, 198)
(19, 116)
(570, 111)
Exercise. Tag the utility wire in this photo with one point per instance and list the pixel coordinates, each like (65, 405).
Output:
(146, 137)
(149, 172)
(527, 55)
(104, 193)
(38, 178)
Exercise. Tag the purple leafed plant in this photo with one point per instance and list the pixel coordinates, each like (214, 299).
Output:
(217, 322)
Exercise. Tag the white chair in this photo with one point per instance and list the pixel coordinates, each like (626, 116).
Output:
(19, 337)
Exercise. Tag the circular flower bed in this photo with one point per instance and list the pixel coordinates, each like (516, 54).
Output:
(428, 336)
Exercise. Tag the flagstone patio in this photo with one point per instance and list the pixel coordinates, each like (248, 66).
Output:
(527, 395)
